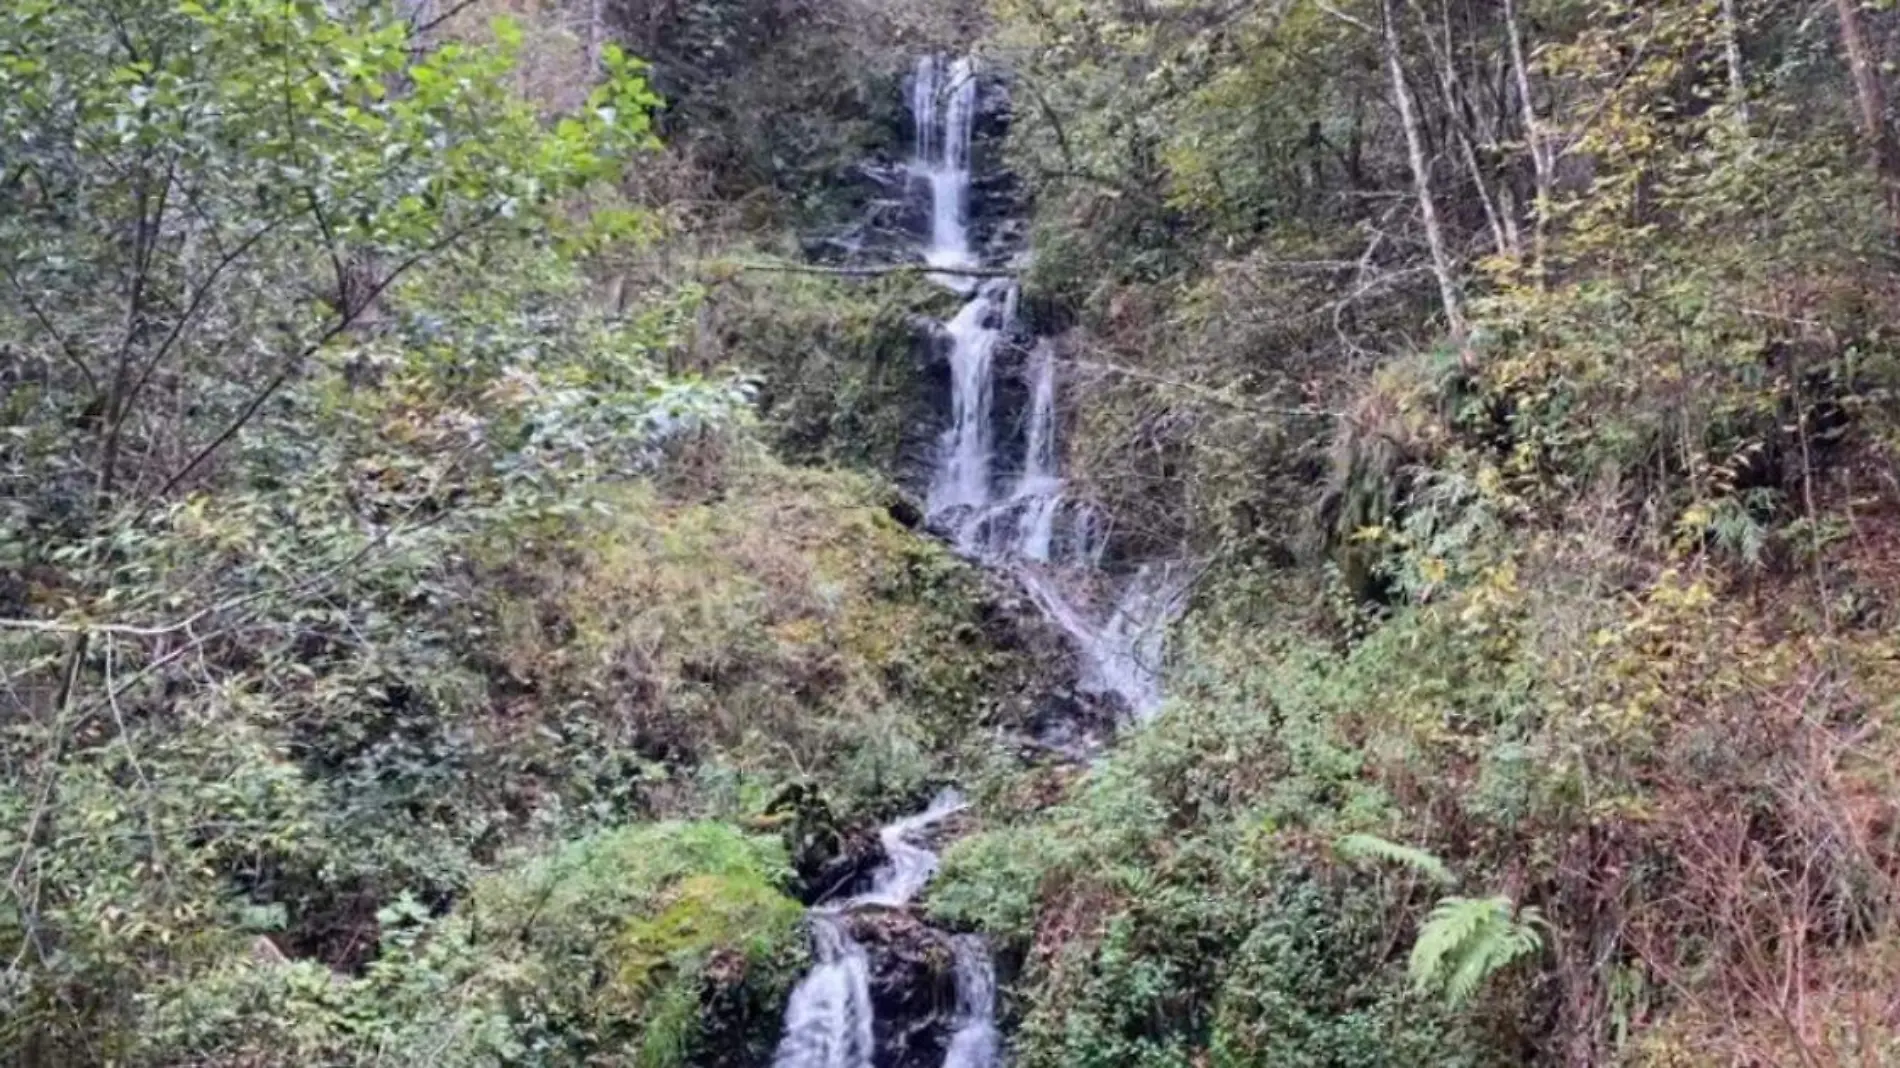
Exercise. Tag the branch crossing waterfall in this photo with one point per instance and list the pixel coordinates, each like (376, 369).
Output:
(1013, 515)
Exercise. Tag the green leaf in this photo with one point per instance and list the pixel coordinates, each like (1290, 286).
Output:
(1372, 847)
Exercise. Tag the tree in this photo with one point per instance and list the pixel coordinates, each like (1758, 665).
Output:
(1871, 92)
(1443, 269)
(244, 251)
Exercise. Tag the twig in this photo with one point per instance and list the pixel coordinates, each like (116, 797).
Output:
(70, 350)
(417, 30)
(54, 627)
(873, 272)
(345, 320)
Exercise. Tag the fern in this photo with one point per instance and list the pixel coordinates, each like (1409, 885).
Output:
(1372, 847)
(1466, 940)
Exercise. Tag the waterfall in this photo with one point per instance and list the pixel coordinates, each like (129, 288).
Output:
(1035, 530)
(962, 481)
(975, 1043)
(908, 866)
(1039, 492)
(1053, 544)
(943, 110)
(828, 1021)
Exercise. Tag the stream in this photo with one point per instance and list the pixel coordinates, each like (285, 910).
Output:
(1015, 516)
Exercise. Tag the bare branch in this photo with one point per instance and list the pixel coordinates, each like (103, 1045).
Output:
(873, 272)
(346, 318)
(66, 347)
(420, 29)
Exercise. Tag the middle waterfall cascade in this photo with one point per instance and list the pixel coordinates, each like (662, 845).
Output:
(1025, 525)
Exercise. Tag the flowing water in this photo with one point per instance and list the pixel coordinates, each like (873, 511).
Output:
(1016, 517)
(1019, 517)
(828, 1021)
(975, 1043)
(943, 111)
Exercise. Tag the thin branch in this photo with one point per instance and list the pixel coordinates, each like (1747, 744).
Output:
(54, 627)
(873, 272)
(416, 30)
(1350, 20)
(345, 320)
(70, 350)
(198, 298)
(1055, 122)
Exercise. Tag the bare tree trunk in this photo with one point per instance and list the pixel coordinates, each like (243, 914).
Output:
(1457, 105)
(1873, 104)
(1732, 51)
(1542, 163)
(1422, 179)
(596, 34)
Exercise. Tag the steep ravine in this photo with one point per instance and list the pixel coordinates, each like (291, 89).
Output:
(875, 997)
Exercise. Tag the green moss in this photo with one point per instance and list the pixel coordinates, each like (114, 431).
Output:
(785, 622)
(709, 914)
(628, 934)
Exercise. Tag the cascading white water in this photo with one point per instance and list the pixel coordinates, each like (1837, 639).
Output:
(1021, 529)
(1039, 493)
(975, 1043)
(943, 109)
(1052, 544)
(828, 1021)
(962, 481)
(908, 865)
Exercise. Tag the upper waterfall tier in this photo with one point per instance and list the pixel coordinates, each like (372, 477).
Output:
(943, 110)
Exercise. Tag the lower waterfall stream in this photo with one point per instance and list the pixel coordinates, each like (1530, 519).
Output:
(828, 1021)
(1020, 523)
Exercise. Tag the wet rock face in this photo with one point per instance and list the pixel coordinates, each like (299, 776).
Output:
(895, 199)
(913, 986)
(996, 194)
(829, 859)
(1073, 726)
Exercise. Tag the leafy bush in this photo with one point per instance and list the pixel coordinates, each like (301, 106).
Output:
(604, 951)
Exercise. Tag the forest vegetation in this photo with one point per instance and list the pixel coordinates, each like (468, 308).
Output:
(459, 601)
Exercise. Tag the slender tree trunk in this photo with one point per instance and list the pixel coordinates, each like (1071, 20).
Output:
(1732, 51)
(596, 34)
(1422, 178)
(1458, 112)
(1873, 104)
(1543, 165)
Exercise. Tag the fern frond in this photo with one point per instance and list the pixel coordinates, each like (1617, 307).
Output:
(1372, 847)
(1466, 940)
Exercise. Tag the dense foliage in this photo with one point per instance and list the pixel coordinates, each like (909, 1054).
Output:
(381, 596)
(435, 625)
(1523, 372)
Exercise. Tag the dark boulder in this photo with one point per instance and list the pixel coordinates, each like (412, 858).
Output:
(913, 986)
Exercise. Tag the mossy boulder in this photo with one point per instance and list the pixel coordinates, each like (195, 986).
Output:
(782, 626)
(666, 944)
